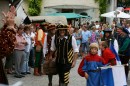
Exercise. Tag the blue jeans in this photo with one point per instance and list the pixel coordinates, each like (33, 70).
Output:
(85, 47)
(25, 67)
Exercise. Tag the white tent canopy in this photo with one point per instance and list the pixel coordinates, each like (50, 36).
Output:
(115, 14)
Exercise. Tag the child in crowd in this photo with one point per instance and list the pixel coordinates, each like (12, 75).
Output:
(107, 54)
(90, 66)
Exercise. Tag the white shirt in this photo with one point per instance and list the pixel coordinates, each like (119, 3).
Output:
(74, 44)
(45, 48)
(129, 31)
(28, 39)
(97, 26)
(32, 36)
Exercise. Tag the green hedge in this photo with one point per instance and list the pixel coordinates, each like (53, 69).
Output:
(34, 7)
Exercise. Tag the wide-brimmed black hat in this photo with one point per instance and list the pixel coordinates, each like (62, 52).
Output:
(62, 27)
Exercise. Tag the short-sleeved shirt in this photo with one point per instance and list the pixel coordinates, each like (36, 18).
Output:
(85, 36)
(40, 34)
(77, 35)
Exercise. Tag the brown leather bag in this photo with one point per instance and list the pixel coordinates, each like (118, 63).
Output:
(38, 48)
(49, 67)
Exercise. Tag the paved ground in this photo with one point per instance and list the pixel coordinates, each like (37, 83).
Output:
(30, 80)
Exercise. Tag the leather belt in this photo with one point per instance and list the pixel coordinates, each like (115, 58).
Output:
(94, 70)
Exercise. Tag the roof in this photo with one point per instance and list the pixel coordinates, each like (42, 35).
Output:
(50, 19)
(70, 4)
(69, 15)
(70, 7)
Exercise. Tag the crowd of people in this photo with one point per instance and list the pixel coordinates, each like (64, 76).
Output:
(106, 36)
(29, 45)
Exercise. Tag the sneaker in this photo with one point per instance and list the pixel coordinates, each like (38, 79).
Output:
(23, 73)
(28, 72)
(18, 76)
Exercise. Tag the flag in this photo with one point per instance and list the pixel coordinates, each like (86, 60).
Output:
(20, 10)
(21, 13)
(107, 77)
(110, 76)
(118, 61)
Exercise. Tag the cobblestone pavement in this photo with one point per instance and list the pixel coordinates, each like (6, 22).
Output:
(31, 80)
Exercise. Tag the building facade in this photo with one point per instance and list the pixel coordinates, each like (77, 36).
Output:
(89, 7)
(112, 6)
(4, 6)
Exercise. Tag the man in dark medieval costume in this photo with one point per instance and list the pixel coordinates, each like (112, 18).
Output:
(7, 41)
(66, 48)
(49, 69)
(107, 36)
(110, 39)
(124, 47)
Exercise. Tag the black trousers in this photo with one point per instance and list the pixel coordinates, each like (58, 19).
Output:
(31, 58)
(64, 71)
(125, 60)
(3, 77)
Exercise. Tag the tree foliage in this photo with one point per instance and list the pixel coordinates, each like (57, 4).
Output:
(34, 7)
(102, 7)
(123, 3)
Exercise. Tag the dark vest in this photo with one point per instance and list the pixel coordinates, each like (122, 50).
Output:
(49, 39)
(64, 50)
(121, 41)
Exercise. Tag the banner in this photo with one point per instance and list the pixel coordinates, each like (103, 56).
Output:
(113, 76)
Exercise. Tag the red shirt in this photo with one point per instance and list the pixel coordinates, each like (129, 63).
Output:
(109, 56)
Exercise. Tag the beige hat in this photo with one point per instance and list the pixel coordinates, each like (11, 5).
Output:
(93, 45)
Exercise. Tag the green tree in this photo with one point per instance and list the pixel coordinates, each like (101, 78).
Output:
(34, 7)
(123, 3)
(102, 7)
